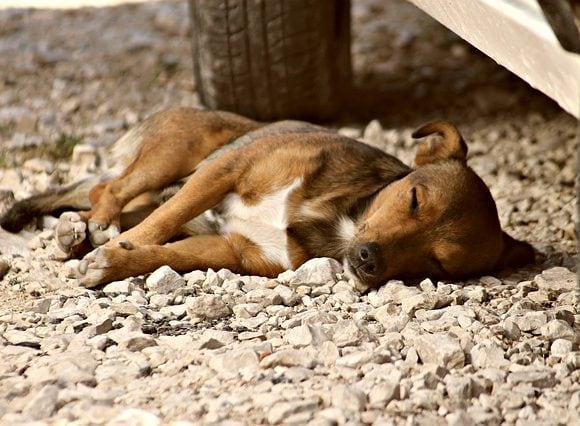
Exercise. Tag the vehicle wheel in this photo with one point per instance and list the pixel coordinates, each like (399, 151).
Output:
(271, 59)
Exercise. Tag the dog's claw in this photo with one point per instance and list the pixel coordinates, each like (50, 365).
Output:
(83, 266)
(127, 245)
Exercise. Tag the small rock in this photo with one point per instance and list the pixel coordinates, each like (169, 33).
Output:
(264, 297)
(561, 347)
(396, 291)
(208, 306)
(65, 368)
(124, 308)
(373, 134)
(133, 341)
(540, 378)
(360, 358)
(459, 418)
(531, 321)
(458, 388)
(43, 404)
(210, 343)
(84, 160)
(420, 301)
(307, 335)
(194, 277)
(135, 416)
(119, 287)
(441, 349)
(289, 298)
(488, 354)
(555, 281)
(559, 329)
(22, 338)
(288, 358)
(164, 280)
(511, 330)
(247, 310)
(347, 333)
(348, 398)
(328, 353)
(387, 389)
(159, 300)
(317, 271)
(282, 410)
(232, 364)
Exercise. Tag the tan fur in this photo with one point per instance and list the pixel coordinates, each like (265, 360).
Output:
(325, 195)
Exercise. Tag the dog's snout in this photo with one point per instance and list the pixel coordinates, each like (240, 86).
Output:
(368, 256)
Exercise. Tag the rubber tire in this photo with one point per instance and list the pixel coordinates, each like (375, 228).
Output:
(272, 59)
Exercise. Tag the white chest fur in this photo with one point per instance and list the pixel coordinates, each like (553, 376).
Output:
(263, 223)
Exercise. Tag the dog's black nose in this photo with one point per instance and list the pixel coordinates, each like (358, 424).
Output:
(369, 257)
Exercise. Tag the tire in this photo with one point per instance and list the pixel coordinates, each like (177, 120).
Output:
(272, 59)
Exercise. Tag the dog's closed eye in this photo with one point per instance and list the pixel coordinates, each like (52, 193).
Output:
(414, 201)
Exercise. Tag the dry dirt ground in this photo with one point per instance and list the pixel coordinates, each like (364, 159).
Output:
(80, 78)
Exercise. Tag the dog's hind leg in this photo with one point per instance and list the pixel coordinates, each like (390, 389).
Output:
(171, 144)
(234, 252)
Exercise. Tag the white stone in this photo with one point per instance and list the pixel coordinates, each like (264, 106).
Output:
(317, 271)
(164, 280)
(440, 349)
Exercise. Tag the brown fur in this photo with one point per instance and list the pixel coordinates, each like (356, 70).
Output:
(438, 220)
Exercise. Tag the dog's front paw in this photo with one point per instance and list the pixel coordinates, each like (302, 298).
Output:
(70, 231)
(104, 264)
(100, 234)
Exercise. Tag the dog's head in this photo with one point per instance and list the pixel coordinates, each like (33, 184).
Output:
(440, 221)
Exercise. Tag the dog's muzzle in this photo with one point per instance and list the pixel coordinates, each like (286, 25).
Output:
(365, 262)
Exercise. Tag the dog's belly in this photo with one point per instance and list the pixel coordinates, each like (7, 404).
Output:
(263, 223)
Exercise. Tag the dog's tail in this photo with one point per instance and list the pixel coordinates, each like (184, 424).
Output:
(74, 197)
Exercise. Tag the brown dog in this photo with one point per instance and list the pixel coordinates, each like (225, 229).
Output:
(280, 194)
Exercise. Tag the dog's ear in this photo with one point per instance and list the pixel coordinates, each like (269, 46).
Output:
(449, 146)
(515, 253)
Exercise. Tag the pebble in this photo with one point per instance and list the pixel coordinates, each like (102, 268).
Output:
(317, 271)
(420, 301)
(348, 333)
(555, 281)
(537, 377)
(283, 410)
(43, 404)
(207, 306)
(441, 349)
(288, 358)
(119, 287)
(232, 364)
(348, 398)
(488, 354)
(164, 280)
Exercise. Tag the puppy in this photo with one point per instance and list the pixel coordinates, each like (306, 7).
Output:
(260, 199)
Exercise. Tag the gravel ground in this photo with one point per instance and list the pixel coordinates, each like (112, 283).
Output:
(213, 347)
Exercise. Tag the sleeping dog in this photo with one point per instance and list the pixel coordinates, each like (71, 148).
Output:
(211, 189)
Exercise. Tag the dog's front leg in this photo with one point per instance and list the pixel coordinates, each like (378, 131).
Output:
(233, 252)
